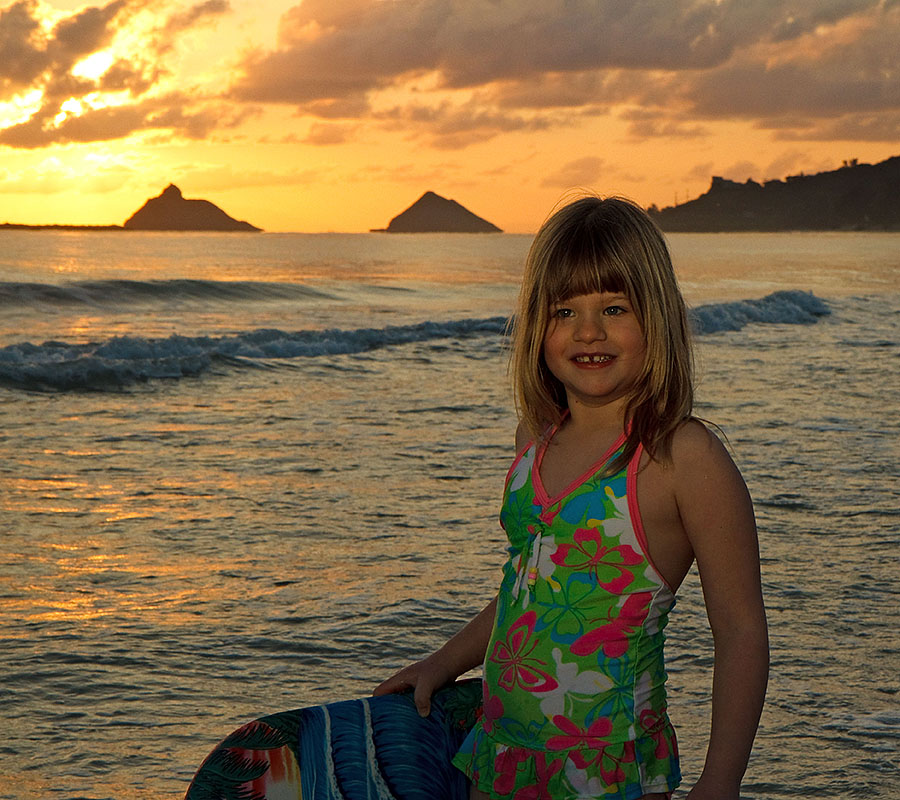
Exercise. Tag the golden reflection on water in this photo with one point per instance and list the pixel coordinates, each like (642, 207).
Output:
(83, 328)
(83, 581)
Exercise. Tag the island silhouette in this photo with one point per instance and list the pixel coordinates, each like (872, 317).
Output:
(432, 213)
(862, 197)
(170, 211)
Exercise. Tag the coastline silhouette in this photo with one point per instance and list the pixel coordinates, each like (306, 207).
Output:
(855, 197)
(858, 197)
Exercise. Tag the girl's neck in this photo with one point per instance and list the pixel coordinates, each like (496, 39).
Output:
(607, 418)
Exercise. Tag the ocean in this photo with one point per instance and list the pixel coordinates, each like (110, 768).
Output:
(244, 473)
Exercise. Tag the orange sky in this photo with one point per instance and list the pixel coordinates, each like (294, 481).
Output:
(335, 115)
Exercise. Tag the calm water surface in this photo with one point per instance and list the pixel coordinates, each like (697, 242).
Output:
(180, 555)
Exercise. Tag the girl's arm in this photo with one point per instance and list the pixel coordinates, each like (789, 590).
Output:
(717, 516)
(460, 654)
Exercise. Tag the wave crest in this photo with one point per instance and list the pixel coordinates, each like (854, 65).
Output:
(126, 292)
(785, 307)
(123, 361)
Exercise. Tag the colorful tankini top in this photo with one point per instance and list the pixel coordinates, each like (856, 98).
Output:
(574, 681)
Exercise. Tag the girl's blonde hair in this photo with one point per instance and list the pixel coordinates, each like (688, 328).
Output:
(608, 245)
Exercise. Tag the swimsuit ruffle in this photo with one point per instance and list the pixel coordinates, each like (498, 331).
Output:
(617, 771)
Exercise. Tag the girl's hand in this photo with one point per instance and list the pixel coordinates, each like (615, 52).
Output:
(423, 677)
(463, 652)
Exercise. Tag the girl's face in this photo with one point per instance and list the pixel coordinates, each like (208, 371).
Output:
(595, 347)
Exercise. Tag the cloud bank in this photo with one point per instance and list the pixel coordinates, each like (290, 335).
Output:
(455, 72)
(40, 60)
(809, 68)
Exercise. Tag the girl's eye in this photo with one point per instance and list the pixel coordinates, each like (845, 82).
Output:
(614, 311)
(562, 313)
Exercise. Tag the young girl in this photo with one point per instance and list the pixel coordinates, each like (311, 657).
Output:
(614, 491)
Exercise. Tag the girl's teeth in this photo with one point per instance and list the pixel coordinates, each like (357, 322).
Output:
(591, 359)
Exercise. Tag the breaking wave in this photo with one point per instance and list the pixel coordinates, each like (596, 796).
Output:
(787, 307)
(124, 361)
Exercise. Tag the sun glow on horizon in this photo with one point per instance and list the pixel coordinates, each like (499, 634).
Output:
(320, 116)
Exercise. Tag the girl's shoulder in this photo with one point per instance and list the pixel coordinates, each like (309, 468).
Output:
(695, 438)
(523, 436)
(701, 462)
(695, 446)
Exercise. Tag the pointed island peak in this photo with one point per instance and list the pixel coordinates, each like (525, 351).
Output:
(170, 211)
(432, 213)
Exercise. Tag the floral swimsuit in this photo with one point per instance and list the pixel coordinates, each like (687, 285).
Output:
(574, 681)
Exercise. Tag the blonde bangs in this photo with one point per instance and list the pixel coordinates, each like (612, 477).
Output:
(583, 266)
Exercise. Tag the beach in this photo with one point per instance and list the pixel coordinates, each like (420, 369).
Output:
(245, 473)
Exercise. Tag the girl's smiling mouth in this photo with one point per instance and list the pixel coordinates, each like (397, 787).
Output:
(592, 358)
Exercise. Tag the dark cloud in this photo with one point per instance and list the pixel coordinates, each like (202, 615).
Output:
(883, 127)
(860, 79)
(83, 33)
(30, 56)
(178, 114)
(707, 59)
(450, 127)
(131, 76)
(648, 123)
(367, 44)
(801, 68)
(23, 54)
(328, 133)
(370, 44)
(557, 90)
(33, 57)
(200, 12)
(584, 172)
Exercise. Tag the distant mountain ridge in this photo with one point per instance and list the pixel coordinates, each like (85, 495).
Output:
(854, 197)
(432, 213)
(170, 211)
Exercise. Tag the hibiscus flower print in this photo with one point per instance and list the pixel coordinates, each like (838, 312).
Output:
(507, 764)
(608, 565)
(573, 737)
(608, 760)
(564, 609)
(492, 709)
(520, 471)
(518, 513)
(612, 635)
(518, 668)
(590, 746)
(577, 690)
(656, 725)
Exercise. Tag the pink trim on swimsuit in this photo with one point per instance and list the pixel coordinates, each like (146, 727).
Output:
(637, 521)
(634, 511)
(541, 493)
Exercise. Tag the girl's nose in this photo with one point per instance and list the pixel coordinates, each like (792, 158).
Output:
(589, 328)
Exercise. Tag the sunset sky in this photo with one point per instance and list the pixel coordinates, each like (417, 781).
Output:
(335, 115)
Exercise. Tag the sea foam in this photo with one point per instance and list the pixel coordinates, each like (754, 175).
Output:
(124, 361)
(786, 307)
